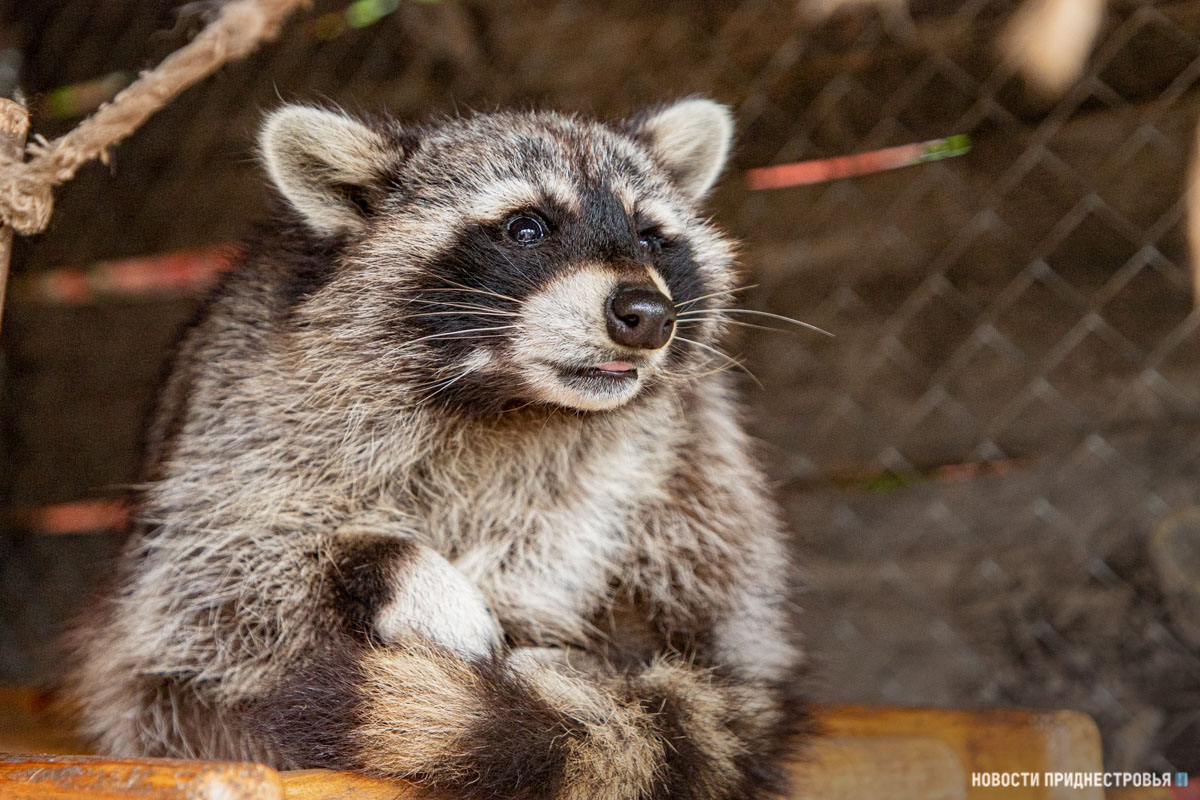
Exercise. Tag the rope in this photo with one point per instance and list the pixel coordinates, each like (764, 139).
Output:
(26, 187)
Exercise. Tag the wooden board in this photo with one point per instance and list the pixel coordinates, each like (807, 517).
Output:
(53, 777)
(839, 769)
(902, 754)
(989, 741)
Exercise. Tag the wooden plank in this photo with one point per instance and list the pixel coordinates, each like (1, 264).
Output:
(324, 784)
(836, 769)
(51, 777)
(923, 754)
(989, 741)
(898, 768)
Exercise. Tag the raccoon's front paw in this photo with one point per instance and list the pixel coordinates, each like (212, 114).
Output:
(432, 599)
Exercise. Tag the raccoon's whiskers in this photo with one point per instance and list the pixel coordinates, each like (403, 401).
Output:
(438, 381)
(468, 314)
(461, 334)
(468, 290)
(717, 311)
(714, 294)
(722, 354)
(742, 324)
(723, 368)
(444, 385)
(462, 287)
(441, 380)
(691, 376)
(464, 306)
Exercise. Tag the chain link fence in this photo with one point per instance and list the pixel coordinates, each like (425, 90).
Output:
(989, 470)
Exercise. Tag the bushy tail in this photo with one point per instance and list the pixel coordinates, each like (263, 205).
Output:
(530, 727)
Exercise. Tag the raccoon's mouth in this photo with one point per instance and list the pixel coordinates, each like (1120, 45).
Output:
(611, 373)
(588, 388)
(591, 388)
(609, 376)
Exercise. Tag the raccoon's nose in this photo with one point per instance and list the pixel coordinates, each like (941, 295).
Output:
(639, 316)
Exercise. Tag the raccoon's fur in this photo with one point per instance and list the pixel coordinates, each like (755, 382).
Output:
(440, 488)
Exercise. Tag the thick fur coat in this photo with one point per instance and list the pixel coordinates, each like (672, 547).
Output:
(447, 482)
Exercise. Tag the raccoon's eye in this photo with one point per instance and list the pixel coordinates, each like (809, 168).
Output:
(526, 230)
(651, 240)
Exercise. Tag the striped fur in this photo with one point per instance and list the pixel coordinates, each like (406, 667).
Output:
(387, 526)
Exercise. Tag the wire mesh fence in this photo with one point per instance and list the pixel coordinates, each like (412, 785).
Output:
(989, 469)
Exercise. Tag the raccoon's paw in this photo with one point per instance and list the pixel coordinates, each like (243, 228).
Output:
(431, 599)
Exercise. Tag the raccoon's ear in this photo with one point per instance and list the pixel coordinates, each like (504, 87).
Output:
(692, 139)
(326, 164)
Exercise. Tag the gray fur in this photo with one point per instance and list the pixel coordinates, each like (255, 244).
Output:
(330, 483)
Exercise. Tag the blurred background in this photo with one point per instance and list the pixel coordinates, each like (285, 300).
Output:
(993, 470)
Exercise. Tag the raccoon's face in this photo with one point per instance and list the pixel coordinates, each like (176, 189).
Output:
(514, 259)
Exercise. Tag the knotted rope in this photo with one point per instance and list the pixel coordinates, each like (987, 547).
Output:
(26, 186)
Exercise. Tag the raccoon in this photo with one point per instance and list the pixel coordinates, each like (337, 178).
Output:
(447, 482)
